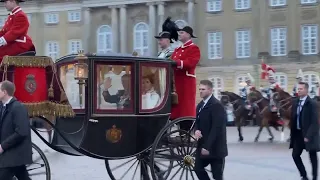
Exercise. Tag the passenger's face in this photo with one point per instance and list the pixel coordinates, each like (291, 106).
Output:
(146, 84)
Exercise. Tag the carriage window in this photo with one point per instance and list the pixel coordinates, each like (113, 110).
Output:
(71, 86)
(153, 87)
(113, 87)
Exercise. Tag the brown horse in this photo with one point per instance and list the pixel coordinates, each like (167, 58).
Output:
(268, 118)
(241, 113)
(284, 100)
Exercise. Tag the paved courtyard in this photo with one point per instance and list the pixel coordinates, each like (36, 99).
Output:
(246, 161)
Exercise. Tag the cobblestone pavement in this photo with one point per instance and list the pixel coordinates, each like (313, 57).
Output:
(246, 161)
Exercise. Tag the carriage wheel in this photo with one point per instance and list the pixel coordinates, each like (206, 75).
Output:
(40, 166)
(137, 167)
(179, 149)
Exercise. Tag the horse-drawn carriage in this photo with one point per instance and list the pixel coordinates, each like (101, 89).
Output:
(110, 107)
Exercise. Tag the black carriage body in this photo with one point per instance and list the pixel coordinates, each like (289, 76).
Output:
(113, 134)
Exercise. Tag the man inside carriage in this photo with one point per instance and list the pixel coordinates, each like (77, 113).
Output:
(13, 36)
(245, 91)
(299, 79)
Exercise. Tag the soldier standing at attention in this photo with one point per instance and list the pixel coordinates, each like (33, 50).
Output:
(164, 40)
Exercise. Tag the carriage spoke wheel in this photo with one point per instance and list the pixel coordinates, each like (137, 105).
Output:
(137, 167)
(40, 167)
(179, 153)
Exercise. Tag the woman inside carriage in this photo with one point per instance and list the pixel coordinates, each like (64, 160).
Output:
(150, 98)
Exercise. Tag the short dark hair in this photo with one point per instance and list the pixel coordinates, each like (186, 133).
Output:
(306, 85)
(206, 83)
(8, 86)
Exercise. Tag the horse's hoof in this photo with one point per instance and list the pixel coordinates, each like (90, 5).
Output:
(271, 139)
(240, 139)
(256, 140)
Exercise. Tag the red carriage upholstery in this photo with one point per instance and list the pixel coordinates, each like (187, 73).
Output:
(37, 84)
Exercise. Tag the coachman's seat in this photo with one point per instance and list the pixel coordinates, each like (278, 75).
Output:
(37, 84)
(28, 53)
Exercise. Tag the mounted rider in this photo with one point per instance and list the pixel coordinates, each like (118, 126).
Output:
(316, 89)
(245, 91)
(273, 85)
(299, 79)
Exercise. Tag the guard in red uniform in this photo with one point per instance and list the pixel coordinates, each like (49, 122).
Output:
(187, 57)
(13, 36)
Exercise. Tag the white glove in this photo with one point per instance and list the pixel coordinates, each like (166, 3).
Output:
(3, 41)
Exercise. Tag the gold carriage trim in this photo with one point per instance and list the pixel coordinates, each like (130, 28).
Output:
(27, 61)
(49, 108)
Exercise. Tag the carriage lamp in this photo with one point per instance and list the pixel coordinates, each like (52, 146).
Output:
(81, 72)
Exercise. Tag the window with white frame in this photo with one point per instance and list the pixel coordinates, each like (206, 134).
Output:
(309, 39)
(243, 43)
(277, 2)
(214, 5)
(240, 79)
(52, 50)
(242, 4)
(2, 20)
(29, 17)
(308, 1)
(181, 24)
(278, 41)
(104, 39)
(141, 34)
(311, 78)
(74, 46)
(74, 16)
(52, 18)
(214, 45)
(217, 83)
(282, 80)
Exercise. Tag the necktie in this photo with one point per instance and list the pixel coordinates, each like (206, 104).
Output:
(201, 105)
(298, 113)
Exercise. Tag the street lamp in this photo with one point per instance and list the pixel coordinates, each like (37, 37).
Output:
(81, 72)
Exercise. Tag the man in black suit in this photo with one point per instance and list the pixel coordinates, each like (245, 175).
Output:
(15, 135)
(210, 131)
(305, 130)
(122, 98)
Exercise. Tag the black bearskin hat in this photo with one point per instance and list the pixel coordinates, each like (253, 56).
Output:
(170, 27)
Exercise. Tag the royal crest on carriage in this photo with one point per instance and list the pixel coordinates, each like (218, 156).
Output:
(30, 84)
(114, 134)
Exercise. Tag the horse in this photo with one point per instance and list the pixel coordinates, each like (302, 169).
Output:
(267, 117)
(240, 111)
(285, 104)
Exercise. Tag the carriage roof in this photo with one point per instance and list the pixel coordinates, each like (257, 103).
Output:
(115, 57)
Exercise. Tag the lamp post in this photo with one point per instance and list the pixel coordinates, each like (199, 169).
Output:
(81, 72)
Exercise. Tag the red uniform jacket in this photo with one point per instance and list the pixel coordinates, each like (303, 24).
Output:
(14, 32)
(187, 57)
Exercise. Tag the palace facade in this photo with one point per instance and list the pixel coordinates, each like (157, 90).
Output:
(233, 35)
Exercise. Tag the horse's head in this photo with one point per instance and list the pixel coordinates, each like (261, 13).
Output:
(224, 99)
(279, 94)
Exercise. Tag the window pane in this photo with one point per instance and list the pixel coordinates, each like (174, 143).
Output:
(153, 87)
(113, 87)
